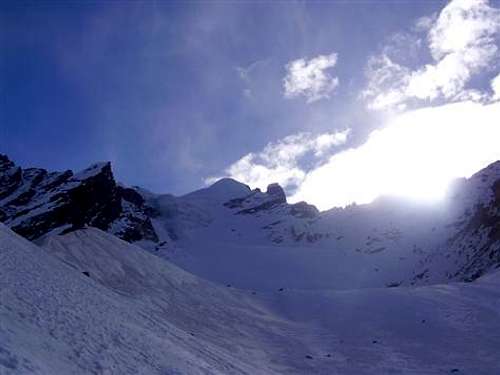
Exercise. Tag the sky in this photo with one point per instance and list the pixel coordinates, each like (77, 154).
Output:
(338, 101)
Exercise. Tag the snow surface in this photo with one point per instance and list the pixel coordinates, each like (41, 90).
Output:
(367, 246)
(134, 314)
(137, 313)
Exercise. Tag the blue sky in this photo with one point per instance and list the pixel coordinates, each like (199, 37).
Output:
(174, 94)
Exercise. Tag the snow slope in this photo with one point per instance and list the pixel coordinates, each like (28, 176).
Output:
(262, 243)
(428, 330)
(136, 313)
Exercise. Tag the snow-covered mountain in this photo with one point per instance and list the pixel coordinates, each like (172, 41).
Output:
(386, 243)
(231, 234)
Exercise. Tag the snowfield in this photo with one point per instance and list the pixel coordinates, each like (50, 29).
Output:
(136, 313)
(250, 239)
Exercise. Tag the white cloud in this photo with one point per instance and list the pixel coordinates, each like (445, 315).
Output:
(461, 25)
(462, 42)
(310, 78)
(415, 155)
(324, 142)
(281, 161)
(495, 86)
(425, 23)
(473, 95)
(387, 82)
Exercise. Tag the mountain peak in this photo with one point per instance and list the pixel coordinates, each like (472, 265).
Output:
(93, 170)
(222, 190)
(4, 159)
(34, 202)
(5, 163)
(228, 182)
(277, 192)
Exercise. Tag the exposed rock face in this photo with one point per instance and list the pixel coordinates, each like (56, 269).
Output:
(473, 247)
(34, 202)
(257, 201)
(478, 241)
(304, 210)
(276, 191)
(10, 176)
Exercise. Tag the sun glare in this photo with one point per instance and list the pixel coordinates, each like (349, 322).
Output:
(415, 155)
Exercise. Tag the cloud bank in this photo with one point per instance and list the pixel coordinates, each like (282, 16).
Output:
(310, 78)
(415, 155)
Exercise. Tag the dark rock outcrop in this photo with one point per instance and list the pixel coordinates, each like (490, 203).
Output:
(257, 201)
(304, 210)
(277, 193)
(34, 202)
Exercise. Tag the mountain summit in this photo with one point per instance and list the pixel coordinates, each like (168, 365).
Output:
(34, 202)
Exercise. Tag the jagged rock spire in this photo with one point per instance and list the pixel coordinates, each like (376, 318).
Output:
(277, 192)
